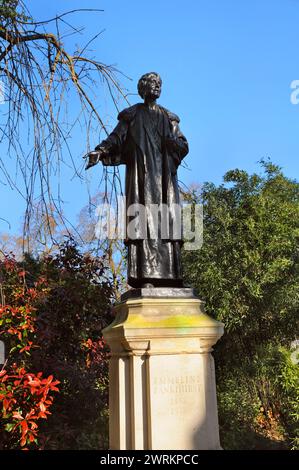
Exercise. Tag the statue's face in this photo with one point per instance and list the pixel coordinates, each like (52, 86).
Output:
(153, 87)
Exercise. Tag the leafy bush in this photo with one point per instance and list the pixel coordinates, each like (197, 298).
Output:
(259, 401)
(72, 299)
(25, 396)
(70, 322)
(247, 272)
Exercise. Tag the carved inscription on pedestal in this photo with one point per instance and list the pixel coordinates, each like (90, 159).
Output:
(178, 390)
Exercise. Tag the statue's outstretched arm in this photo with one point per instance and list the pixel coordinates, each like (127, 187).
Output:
(111, 149)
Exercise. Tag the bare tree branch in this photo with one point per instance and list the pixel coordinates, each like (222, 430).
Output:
(58, 17)
(41, 76)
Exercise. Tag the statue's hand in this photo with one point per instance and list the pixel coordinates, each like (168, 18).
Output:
(93, 158)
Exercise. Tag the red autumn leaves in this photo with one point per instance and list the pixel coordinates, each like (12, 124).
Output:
(25, 396)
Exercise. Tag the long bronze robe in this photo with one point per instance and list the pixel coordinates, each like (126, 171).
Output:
(139, 142)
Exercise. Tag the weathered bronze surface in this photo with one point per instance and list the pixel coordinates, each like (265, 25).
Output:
(148, 140)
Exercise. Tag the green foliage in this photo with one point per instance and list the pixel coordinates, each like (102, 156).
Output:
(237, 408)
(70, 320)
(8, 8)
(11, 11)
(259, 401)
(247, 272)
(277, 366)
(25, 396)
(70, 311)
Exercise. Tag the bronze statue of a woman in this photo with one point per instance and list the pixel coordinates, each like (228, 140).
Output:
(148, 140)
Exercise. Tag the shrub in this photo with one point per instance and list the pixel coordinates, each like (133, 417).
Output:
(25, 396)
(54, 309)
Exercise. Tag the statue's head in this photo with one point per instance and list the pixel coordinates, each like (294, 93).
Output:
(149, 86)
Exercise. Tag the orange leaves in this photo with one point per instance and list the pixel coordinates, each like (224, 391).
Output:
(24, 427)
(18, 322)
(9, 263)
(38, 385)
(87, 344)
(28, 434)
(27, 348)
(18, 313)
(96, 352)
(50, 384)
(6, 405)
(26, 398)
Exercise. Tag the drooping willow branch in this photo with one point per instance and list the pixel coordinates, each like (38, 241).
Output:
(41, 77)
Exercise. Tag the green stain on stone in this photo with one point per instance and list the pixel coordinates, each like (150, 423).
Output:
(173, 321)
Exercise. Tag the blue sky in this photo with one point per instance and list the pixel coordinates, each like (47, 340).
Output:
(226, 66)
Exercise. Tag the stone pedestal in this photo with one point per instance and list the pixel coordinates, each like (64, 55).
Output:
(162, 379)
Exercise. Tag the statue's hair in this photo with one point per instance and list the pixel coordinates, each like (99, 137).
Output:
(143, 80)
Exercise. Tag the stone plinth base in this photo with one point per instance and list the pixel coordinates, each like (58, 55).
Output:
(162, 379)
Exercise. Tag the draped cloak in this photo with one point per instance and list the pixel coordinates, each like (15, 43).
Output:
(140, 142)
